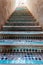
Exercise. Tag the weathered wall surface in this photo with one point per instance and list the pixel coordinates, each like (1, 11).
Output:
(36, 8)
(6, 8)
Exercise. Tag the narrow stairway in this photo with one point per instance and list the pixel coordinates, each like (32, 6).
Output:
(23, 36)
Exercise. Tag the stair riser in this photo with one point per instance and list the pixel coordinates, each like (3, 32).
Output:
(21, 36)
(22, 16)
(21, 24)
(25, 17)
(22, 19)
(22, 10)
(20, 49)
(22, 13)
(21, 28)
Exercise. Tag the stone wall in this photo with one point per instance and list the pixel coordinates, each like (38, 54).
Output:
(6, 8)
(36, 8)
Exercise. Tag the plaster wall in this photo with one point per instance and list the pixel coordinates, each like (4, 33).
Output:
(6, 9)
(36, 8)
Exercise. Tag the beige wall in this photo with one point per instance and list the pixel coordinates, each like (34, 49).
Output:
(6, 8)
(36, 8)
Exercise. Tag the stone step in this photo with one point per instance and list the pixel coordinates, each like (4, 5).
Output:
(21, 8)
(22, 24)
(21, 42)
(22, 28)
(14, 15)
(21, 18)
(21, 35)
(20, 48)
(22, 13)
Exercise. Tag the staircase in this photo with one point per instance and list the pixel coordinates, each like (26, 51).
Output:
(21, 37)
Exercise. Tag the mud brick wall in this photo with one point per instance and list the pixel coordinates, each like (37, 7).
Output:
(6, 9)
(36, 8)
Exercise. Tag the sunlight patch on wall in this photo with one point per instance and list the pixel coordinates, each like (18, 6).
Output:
(29, 4)
(20, 3)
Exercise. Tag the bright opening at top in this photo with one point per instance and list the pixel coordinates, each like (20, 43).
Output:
(21, 3)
